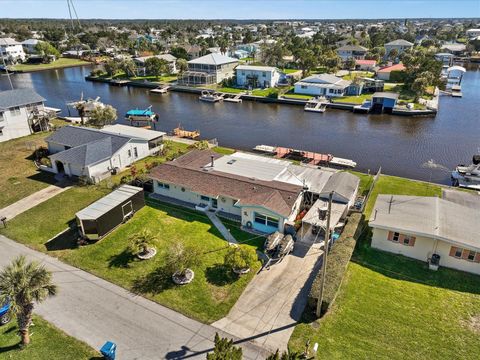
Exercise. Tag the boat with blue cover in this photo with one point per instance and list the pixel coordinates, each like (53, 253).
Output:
(141, 118)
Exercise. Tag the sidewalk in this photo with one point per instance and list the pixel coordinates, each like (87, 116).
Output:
(219, 225)
(33, 200)
(94, 311)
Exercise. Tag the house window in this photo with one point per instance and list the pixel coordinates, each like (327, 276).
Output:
(266, 220)
(135, 152)
(15, 110)
(471, 255)
(163, 185)
(204, 198)
(458, 253)
(129, 153)
(304, 87)
(396, 236)
(1, 132)
(264, 74)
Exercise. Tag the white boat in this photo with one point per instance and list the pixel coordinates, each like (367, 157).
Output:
(210, 96)
(265, 149)
(343, 162)
(160, 90)
(468, 176)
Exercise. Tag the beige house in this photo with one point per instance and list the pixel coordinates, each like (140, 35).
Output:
(428, 227)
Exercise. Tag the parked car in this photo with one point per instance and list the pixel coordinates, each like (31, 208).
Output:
(5, 313)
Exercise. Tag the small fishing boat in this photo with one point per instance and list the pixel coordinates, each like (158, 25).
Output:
(141, 118)
(210, 96)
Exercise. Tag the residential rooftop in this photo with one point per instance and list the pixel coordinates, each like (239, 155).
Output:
(19, 97)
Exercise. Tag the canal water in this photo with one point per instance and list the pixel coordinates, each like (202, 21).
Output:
(400, 145)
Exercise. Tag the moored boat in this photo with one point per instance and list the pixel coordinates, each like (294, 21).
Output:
(468, 176)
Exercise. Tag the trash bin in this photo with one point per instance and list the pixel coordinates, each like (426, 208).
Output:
(108, 350)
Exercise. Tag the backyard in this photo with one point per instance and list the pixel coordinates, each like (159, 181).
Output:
(23, 179)
(60, 63)
(47, 342)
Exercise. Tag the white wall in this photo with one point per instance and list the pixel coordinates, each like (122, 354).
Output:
(316, 91)
(270, 79)
(422, 250)
(14, 125)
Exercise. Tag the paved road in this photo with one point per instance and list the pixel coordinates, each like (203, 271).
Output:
(273, 302)
(94, 310)
(33, 200)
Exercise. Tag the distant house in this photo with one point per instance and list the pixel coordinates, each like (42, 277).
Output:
(385, 72)
(16, 111)
(356, 52)
(30, 45)
(473, 33)
(400, 45)
(170, 59)
(257, 76)
(322, 85)
(365, 65)
(193, 51)
(455, 49)
(11, 50)
(208, 69)
(445, 58)
(427, 227)
(95, 154)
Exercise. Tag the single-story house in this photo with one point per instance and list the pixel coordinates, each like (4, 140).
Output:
(96, 154)
(352, 52)
(16, 113)
(257, 76)
(208, 69)
(424, 227)
(170, 59)
(322, 85)
(384, 73)
(264, 194)
(365, 65)
(455, 48)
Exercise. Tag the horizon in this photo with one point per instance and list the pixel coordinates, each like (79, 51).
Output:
(230, 10)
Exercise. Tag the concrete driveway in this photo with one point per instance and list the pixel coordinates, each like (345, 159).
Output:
(273, 302)
(94, 310)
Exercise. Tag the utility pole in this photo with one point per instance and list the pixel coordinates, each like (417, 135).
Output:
(325, 254)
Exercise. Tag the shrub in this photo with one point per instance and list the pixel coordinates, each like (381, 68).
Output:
(240, 257)
(141, 243)
(397, 76)
(224, 350)
(46, 161)
(338, 259)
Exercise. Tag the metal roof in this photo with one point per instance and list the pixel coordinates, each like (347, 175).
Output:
(213, 59)
(343, 183)
(255, 68)
(18, 97)
(312, 216)
(107, 203)
(387, 95)
(400, 42)
(132, 131)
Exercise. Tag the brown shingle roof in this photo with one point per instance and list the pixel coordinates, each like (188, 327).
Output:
(188, 171)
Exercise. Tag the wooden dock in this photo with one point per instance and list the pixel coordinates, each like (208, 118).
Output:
(182, 133)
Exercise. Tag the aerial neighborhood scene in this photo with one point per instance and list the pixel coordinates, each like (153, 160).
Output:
(220, 179)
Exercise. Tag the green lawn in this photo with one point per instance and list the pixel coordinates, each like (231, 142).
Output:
(290, 71)
(60, 63)
(230, 90)
(223, 150)
(352, 99)
(214, 289)
(353, 74)
(400, 186)
(47, 342)
(297, 96)
(23, 179)
(265, 92)
(163, 78)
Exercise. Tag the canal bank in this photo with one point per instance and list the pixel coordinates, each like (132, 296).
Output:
(284, 100)
(400, 145)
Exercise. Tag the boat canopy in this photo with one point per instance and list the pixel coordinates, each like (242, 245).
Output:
(138, 112)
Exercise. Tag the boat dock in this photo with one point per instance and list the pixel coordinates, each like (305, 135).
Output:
(316, 105)
(307, 157)
(160, 90)
(236, 98)
(182, 133)
(119, 82)
(456, 91)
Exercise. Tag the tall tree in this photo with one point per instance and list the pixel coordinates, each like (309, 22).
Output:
(156, 67)
(182, 65)
(102, 115)
(23, 284)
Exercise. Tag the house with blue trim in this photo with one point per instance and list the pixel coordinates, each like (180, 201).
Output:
(264, 194)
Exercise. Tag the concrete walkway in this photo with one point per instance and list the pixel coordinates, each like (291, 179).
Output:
(219, 225)
(33, 200)
(94, 310)
(273, 302)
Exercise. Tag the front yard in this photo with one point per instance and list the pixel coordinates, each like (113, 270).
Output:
(48, 342)
(23, 179)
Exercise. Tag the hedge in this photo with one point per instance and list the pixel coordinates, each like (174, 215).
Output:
(338, 259)
(397, 76)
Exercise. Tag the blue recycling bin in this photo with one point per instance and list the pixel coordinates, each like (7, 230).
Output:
(4, 313)
(108, 350)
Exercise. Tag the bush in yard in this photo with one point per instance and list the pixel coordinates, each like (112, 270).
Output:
(143, 244)
(288, 355)
(46, 161)
(337, 261)
(224, 350)
(181, 258)
(240, 258)
(397, 76)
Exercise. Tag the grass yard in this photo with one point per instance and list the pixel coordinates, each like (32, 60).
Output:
(353, 74)
(400, 186)
(223, 150)
(297, 96)
(352, 99)
(47, 342)
(214, 289)
(269, 92)
(23, 179)
(163, 78)
(290, 71)
(60, 63)
(231, 90)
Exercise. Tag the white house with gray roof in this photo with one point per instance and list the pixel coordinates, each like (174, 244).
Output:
(209, 69)
(11, 50)
(400, 45)
(16, 110)
(424, 227)
(322, 85)
(257, 76)
(96, 154)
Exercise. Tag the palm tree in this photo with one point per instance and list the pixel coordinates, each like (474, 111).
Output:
(23, 284)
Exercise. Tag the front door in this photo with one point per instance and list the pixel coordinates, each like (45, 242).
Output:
(214, 203)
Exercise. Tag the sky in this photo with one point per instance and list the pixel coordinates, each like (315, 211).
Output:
(242, 9)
